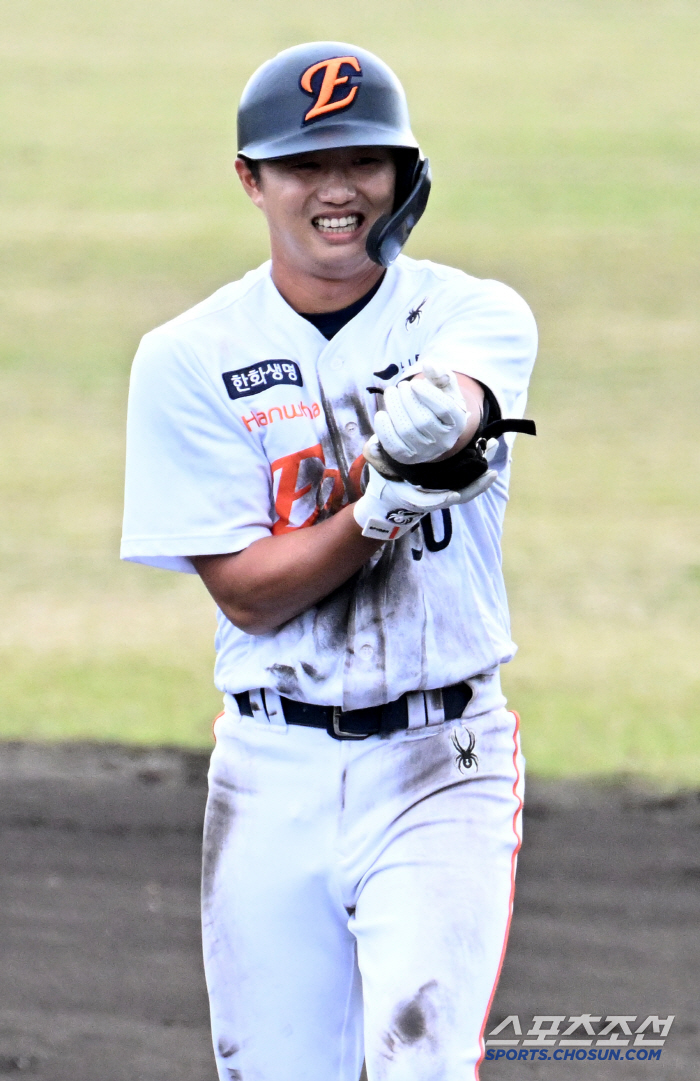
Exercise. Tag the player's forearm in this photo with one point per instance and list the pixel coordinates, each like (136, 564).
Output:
(277, 578)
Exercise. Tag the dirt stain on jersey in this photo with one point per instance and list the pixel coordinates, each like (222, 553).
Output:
(397, 601)
(312, 672)
(345, 446)
(355, 620)
(336, 440)
(354, 401)
(388, 614)
(378, 584)
(286, 681)
(331, 620)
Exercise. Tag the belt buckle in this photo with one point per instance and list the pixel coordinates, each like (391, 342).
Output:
(338, 732)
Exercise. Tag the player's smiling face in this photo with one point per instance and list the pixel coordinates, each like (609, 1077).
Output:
(321, 205)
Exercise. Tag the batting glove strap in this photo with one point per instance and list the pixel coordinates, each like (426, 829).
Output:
(463, 468)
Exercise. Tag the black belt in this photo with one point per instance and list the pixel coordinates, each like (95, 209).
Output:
(360, 723)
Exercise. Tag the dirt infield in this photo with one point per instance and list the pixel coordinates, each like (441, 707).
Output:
(99, 919)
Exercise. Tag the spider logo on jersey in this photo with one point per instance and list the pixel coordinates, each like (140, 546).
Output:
(465, 756)
(415, 314)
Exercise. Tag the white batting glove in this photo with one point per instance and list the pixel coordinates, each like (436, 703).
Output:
(390, 508)
(422, 419)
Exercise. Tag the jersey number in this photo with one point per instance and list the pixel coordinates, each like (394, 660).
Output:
(431, 543)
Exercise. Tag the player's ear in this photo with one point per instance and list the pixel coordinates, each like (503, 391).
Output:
(249, 176)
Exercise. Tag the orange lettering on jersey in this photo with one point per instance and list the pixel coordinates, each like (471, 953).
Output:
(331, 79)
(261, 418)
(355, 476)
(288, 493)
(336, 496)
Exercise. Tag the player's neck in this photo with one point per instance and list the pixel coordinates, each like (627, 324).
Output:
(306, 292)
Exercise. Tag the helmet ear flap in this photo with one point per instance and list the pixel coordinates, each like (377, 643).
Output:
(389, 233)
(408, 162)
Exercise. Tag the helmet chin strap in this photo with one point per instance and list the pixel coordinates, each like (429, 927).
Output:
(389, 233)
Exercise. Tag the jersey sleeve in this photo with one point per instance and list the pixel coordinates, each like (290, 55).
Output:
(490, 335)
(196, 482)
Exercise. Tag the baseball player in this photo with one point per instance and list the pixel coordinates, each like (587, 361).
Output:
(327, 443)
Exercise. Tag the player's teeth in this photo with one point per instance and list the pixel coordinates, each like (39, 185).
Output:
(328, 224)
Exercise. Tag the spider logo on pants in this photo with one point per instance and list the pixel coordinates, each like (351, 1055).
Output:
(465, 756)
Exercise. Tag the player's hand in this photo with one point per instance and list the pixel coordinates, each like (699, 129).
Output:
(390, 508)
(422, 419)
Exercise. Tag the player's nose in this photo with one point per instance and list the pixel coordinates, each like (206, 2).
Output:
(336, 187)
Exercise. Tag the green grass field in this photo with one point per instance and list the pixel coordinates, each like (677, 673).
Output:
(564, 139)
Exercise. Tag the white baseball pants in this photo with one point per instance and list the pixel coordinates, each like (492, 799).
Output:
(357, 897)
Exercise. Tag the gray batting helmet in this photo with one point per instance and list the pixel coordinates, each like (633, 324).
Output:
(328, 94)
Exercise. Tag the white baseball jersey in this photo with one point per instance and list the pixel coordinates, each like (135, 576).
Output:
(244, 421)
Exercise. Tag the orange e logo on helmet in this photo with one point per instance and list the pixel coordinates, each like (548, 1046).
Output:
(331, 79)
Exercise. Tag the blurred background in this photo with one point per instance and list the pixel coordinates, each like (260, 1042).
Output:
(564, 137)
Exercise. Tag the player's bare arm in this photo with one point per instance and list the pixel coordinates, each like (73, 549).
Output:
(276, 578)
